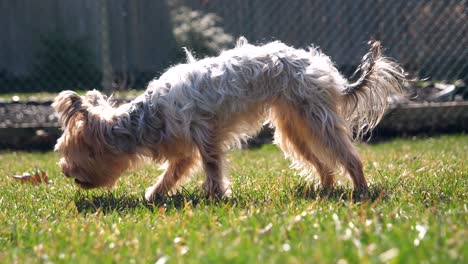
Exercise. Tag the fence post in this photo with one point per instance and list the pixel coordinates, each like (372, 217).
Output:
(106, 64)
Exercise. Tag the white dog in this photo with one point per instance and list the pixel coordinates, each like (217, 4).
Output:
(195, 112)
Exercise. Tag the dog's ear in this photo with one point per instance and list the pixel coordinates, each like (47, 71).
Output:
(242, 41)
(95, 98)
(66, 105)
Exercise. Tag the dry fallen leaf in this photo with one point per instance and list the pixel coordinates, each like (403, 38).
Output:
(38, 177)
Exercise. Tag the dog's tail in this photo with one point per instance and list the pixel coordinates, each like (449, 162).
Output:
(365, 101)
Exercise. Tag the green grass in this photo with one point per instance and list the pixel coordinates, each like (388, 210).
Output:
(49, 96)
(416, 213)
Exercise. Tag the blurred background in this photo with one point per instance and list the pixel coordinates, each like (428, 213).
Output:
(118, 46)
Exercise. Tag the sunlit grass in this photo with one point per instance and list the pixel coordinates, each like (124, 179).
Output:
(416, 212)
(49, 96)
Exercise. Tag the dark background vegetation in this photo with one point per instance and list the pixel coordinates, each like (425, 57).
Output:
(120, 45)
(53, 45)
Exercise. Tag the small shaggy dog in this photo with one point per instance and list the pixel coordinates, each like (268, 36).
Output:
(195, 112)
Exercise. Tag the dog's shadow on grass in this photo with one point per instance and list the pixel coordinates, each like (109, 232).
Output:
(122, 203)
(340, 193)
(106, 203)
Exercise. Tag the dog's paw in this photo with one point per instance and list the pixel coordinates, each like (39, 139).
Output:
(361, 192)
(151, 193)
(224, 194)
(220, 192)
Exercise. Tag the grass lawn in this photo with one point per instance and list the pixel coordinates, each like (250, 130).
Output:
(417, 213)
(49, 96)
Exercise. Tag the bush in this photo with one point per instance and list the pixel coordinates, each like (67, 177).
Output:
(199, 32)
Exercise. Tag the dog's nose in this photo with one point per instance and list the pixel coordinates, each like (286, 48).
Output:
(64, 167)
(66, 174)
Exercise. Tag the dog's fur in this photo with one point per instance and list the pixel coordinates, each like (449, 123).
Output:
(194, 112)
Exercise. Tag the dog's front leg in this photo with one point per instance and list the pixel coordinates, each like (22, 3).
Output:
(216, 184)
(169, 179)
(209, 143)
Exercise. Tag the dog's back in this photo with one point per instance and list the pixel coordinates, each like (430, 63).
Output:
(238, 79)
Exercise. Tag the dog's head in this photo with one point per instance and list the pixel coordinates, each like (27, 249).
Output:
(89, 131)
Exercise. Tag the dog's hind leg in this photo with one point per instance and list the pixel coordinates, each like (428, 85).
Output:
(347, 155)
(174, 172)
(324, 144)
(332, 137)
(295, 138)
